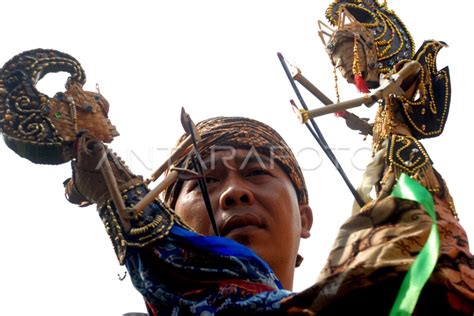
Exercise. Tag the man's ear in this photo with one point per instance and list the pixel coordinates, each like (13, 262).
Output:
(306, 215)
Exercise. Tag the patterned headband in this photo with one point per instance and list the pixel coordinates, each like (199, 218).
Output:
(243, 133)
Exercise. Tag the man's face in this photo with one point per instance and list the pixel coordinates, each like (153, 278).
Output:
(254, 203)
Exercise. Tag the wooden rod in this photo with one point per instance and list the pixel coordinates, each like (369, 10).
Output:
(337, 107)
(111, 183)
(153, 194)
(182, 147)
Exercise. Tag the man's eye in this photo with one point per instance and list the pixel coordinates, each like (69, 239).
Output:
(194, 185)
(211, 180)
(258, 172)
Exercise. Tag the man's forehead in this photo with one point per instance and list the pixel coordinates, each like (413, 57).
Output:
(269, 149)
(227, 156)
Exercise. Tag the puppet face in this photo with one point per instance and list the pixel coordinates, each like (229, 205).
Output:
(341, 50)
(254, 203)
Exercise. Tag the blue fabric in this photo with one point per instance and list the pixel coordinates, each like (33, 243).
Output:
(225, 247)
(189, 274)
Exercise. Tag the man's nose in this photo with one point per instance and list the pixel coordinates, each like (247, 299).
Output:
(235, 193)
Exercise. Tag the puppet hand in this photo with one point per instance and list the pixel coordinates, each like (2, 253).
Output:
(87, 184)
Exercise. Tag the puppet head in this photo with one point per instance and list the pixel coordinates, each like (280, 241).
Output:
(369, 39)
(44, 129)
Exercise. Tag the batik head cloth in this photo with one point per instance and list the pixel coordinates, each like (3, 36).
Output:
(243, 133)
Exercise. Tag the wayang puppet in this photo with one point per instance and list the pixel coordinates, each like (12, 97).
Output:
(372, 48)
(179, 272)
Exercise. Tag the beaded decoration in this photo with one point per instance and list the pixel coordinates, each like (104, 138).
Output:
(358, 79)
(358, 65)
(407, 155)
(155, 222)
(392, 39)
(40, 128)
(427, 113)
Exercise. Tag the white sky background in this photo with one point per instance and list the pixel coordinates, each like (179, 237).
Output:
(215, 58)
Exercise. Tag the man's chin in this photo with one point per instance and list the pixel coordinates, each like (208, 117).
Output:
(248, 236)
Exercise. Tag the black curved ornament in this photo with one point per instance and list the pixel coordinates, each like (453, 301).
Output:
(392, 39)
(24, 111)
(406, 154)
(427, 115)
(43, 129)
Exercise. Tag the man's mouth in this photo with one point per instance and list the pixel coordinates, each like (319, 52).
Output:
(241, 221)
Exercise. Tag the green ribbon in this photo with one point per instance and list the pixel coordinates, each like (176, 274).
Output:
(423, 266)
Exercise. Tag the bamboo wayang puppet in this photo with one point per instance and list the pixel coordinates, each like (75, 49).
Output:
(373, 49)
